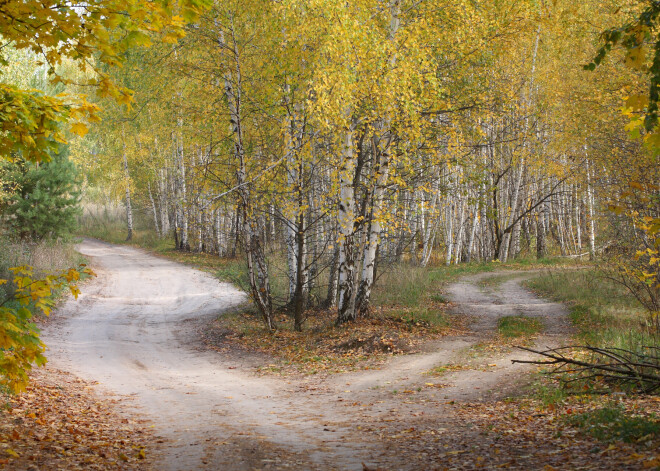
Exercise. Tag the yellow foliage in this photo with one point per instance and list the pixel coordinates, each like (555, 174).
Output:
(20, 346)
(54, 30)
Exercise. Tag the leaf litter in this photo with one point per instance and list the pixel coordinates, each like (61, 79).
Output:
(61, 423)
(322, 347)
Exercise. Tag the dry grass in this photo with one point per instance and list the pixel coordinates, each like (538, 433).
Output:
(603, 311)
(45, 257)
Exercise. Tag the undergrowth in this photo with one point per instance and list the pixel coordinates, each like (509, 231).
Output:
(612, 422)
(408, 302)
(604, 314)
(45, 257)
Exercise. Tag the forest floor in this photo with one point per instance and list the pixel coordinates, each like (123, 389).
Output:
(141, 330)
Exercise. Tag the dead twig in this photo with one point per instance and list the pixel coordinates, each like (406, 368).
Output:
(616, 365)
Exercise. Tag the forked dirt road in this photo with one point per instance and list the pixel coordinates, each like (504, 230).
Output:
(134, 331)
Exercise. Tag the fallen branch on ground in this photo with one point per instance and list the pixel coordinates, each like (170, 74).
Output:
(614, 365)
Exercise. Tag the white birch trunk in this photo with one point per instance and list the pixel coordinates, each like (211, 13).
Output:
(153, 208)
(382, 145)
(449, 233)
(183, 196)
(163, 200)
(129, 206)
(460, 235)
(590, 208)
(256, 262)
(375, 228)
(346, 219)
(429, 232)
(506, 238)
(473, 233)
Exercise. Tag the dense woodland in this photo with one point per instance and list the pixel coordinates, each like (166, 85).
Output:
(346, 137)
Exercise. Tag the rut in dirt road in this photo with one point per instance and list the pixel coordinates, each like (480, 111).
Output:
(135, 331)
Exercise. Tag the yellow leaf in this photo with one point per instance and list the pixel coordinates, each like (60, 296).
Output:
(11, 452)
(637, 102)
(635, 57)
(79, 128)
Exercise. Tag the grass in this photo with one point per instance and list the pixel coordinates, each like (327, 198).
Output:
(408, 285)
(44, 256)
(612, 423)
(603, 312)
(108, 223)
(513, 327)
(548, 390)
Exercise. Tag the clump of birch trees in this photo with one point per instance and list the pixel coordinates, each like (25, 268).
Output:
(340, 136)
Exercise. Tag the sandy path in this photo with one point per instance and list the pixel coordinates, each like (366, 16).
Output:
(129, 332)
(133, 331)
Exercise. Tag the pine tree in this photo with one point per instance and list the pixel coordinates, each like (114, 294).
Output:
(43, 197)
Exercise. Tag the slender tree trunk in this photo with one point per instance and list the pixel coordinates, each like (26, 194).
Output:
(185, 245)
(381, 150)
(578, 219)
(590, 206)
(460, 235)
(375, 228)
(153, 209)
(129, 206)
(331, 296)
(450, 233)
(300, 295)
(254, 252)
(506, 237)
(291, 238)
(164, 216)
(430, 229)
(473, 232)
(220, 237)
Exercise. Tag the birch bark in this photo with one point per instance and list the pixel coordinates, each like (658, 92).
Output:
(129, 206)
(381, 148)
(346, 219)
(154, 211)
(256, 261)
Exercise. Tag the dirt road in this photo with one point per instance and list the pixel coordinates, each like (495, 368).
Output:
(133, 331)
